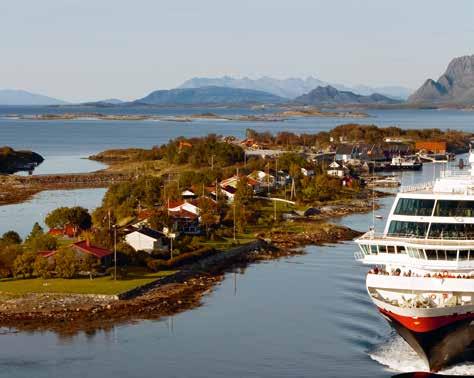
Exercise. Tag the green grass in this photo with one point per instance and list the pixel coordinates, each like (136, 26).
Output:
(100, 285)
(227, 243)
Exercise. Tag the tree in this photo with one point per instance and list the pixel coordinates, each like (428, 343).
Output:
(208, 213)
(36, 231)
(8, 255)
(89, 264)
(42, 267)
(10, 237)
(76, 216)
(23, 264)
(66, 263)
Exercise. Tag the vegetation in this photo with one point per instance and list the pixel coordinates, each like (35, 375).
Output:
(77, 217)
(100, 285)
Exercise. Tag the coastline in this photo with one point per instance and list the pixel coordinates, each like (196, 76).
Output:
(280, 116)
(182, 291)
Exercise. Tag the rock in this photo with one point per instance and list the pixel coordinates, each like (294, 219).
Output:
(455, 86)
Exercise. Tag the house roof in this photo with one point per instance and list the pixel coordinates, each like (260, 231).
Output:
(188, 193)
(344, 149)
(148, 232)
(46, 254)
(184, 214)
(145, 214)
(86, 247)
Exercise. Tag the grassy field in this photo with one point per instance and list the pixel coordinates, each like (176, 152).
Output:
(101, 285)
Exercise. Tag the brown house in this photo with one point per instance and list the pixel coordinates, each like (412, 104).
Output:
(431, 146)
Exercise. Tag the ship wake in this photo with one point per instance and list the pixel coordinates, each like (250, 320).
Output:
(397, 355)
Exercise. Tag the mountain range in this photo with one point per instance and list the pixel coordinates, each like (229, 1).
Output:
(208, 95)
(329, 95)
(455, 86)
(292, 87)
(20, 97)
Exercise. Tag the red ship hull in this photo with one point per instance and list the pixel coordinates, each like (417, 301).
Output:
(440, 340)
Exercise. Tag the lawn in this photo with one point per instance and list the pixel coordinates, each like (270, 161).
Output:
(100, 285)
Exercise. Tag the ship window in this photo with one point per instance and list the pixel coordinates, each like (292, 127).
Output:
(382, 249)
(451, 255)
(401, 249)
(464, 254)
(414, 206)
(431, 254)
(452, 231)
(390, 249)
(450, 208)
(373, 249)
(417, 229)
(441, 254)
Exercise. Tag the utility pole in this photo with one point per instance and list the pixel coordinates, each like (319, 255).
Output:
(234, 220)
(115, 252)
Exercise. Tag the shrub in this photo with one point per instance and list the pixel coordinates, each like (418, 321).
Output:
(24, 264)
(42, 267)
(66, 263)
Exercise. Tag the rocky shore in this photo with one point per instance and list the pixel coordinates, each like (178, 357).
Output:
(179, 292)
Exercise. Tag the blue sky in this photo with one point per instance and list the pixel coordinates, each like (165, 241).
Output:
(91, 49)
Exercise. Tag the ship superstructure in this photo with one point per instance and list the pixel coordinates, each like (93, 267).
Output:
(422, 276)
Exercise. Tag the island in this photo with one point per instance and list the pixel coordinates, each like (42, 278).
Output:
(12, 161)
(176, 217)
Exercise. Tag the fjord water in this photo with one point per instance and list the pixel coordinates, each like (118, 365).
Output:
(305, 316)
(64, 143)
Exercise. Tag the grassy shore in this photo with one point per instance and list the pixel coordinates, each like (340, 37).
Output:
(100, 285)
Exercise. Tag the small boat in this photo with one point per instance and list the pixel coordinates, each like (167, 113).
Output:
(405, 163)
(379, 216)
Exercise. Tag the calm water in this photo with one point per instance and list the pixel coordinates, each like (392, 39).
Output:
(306, 316)
(63, 143)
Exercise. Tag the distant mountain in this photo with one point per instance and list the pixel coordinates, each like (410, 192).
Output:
(395, 92)
(106, 102)
(20, 97)
(329, 95)
(287, 88)
(208, 95)
(455, 86)
(113, 101)
(292, 87)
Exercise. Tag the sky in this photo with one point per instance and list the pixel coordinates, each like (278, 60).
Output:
(81, 50)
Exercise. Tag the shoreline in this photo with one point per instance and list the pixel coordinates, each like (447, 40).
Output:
(182, 291)
(284, 114)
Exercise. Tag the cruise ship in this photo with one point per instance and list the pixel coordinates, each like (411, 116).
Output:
(421, 276)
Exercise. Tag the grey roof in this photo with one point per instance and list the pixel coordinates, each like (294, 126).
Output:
(149, 232)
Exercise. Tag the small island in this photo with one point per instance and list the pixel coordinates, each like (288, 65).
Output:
(12, 161)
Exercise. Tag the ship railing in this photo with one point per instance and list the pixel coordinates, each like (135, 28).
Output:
(410, 238)
(358, 256)
(416, 187)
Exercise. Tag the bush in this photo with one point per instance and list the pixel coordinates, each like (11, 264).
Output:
(122, 272)
(42, 267)
(24, 264)
(66, 263)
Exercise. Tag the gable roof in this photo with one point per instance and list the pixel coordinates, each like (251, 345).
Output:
(86, 247)
(148, 232)
(345, 149)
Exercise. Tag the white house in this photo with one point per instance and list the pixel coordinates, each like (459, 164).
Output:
(146, 239)
(337, 169)
(183, 205)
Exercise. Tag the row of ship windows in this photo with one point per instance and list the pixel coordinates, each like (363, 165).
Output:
(433, 230)
(419, 253)
(426, 207)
